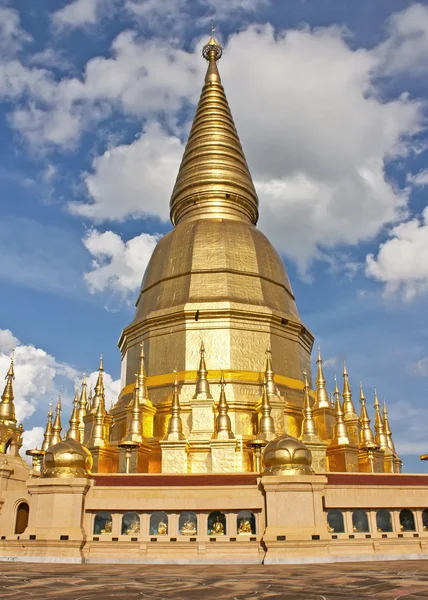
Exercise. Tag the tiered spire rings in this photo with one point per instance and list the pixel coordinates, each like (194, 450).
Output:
(73, 432)
(7, 407)
(175, 426)
(223, 426)
(309, 430)
(321, 394)
(57, 427)
(47, 437)
(202, 386)
(340, 432)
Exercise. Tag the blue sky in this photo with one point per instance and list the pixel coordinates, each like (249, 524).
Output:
(330, 101)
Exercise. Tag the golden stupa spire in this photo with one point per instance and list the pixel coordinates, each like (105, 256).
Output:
(366, 434)
(89, 402)
(47, 436)
(266, 425)
(214, 179)
(73, 432)
(83, 403)
(135, 428)
(321, 394)
(381, 438)
(7, 407)
(348, 405)
(98, 433)
(57, 427)
(223, 426)
(340, 430)
(175, 426)
(202, 386)
(99, 387)
(269, 374)
(388, 431)
(309, 430)
(143, 396)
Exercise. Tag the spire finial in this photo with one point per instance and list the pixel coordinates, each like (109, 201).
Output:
(202, 386)
(74, 432)
(309, 430)
(340, 429)
(348, 405)
(388, 431)
(223, 425)
(269, 374)
(57, 427)
(175, 425)
(7, 407)
(212, 50)
(321, 394)
(266, 425)
(143, 394)
(381, 438)
(48, 431)
(367, 441)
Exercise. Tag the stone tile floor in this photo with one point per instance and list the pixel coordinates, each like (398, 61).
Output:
(406, 580)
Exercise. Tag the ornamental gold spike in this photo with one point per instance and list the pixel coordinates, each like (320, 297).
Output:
(321, 394)
(381, 438)
(367, 441)
(388, 431)
(98, 433)
(340, 430)
(57, 427)
(83, 402)
(135, 429)
(73, 432)
(7, 407)
(202, 386)
(143, 395)
(48, 431)
(348, 405)
(175, 426)
(309, 430)
(99, 388)
(269, 374)
(266, 425)
(213, 179)
(223, 426)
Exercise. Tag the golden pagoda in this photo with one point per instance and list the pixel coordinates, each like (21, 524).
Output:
(218, 433)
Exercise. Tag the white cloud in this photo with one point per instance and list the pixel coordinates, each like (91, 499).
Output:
(35, 373)
(419, 179)
(81, 13)
(32, 438)
(8, 341)
(401, 261)
(408, 427)
(420, 367)
(117, 266)
(12, 37)
(406, 49)
(147, 167)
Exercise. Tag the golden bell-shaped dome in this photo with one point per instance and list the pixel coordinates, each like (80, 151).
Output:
(286, 455)
(66, 459)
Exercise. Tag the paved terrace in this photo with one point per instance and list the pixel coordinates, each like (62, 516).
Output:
(407, 580)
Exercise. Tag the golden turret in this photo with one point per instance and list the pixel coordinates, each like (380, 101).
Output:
(340, 431)
(135, 429)
(7, 407)
(348, 405)
(269, 374)
(98, 437)
(73, 432)
(83, 403)
(223, 426)
(175, 426)
(214, 179)
(48, 431)
(309, 430)
(367, 441)
(143, 395)
(202, 386)
(388, 431)
(381, 438)
(89, 402)
(57, 427)
(321, 394)
(99, 388)
(266, 425)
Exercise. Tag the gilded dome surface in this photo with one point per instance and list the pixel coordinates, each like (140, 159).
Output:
(215, 260)
(286, 455)
(68, 458)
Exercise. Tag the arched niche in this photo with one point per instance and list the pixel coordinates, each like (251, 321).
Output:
(130, 523)
(425, 519)
(159, 523)
(246, 523)
(360, 521)
(216, 523)
(103, 523)
(384, 520)
(21, 520)
(407, 520)
(335, 521)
